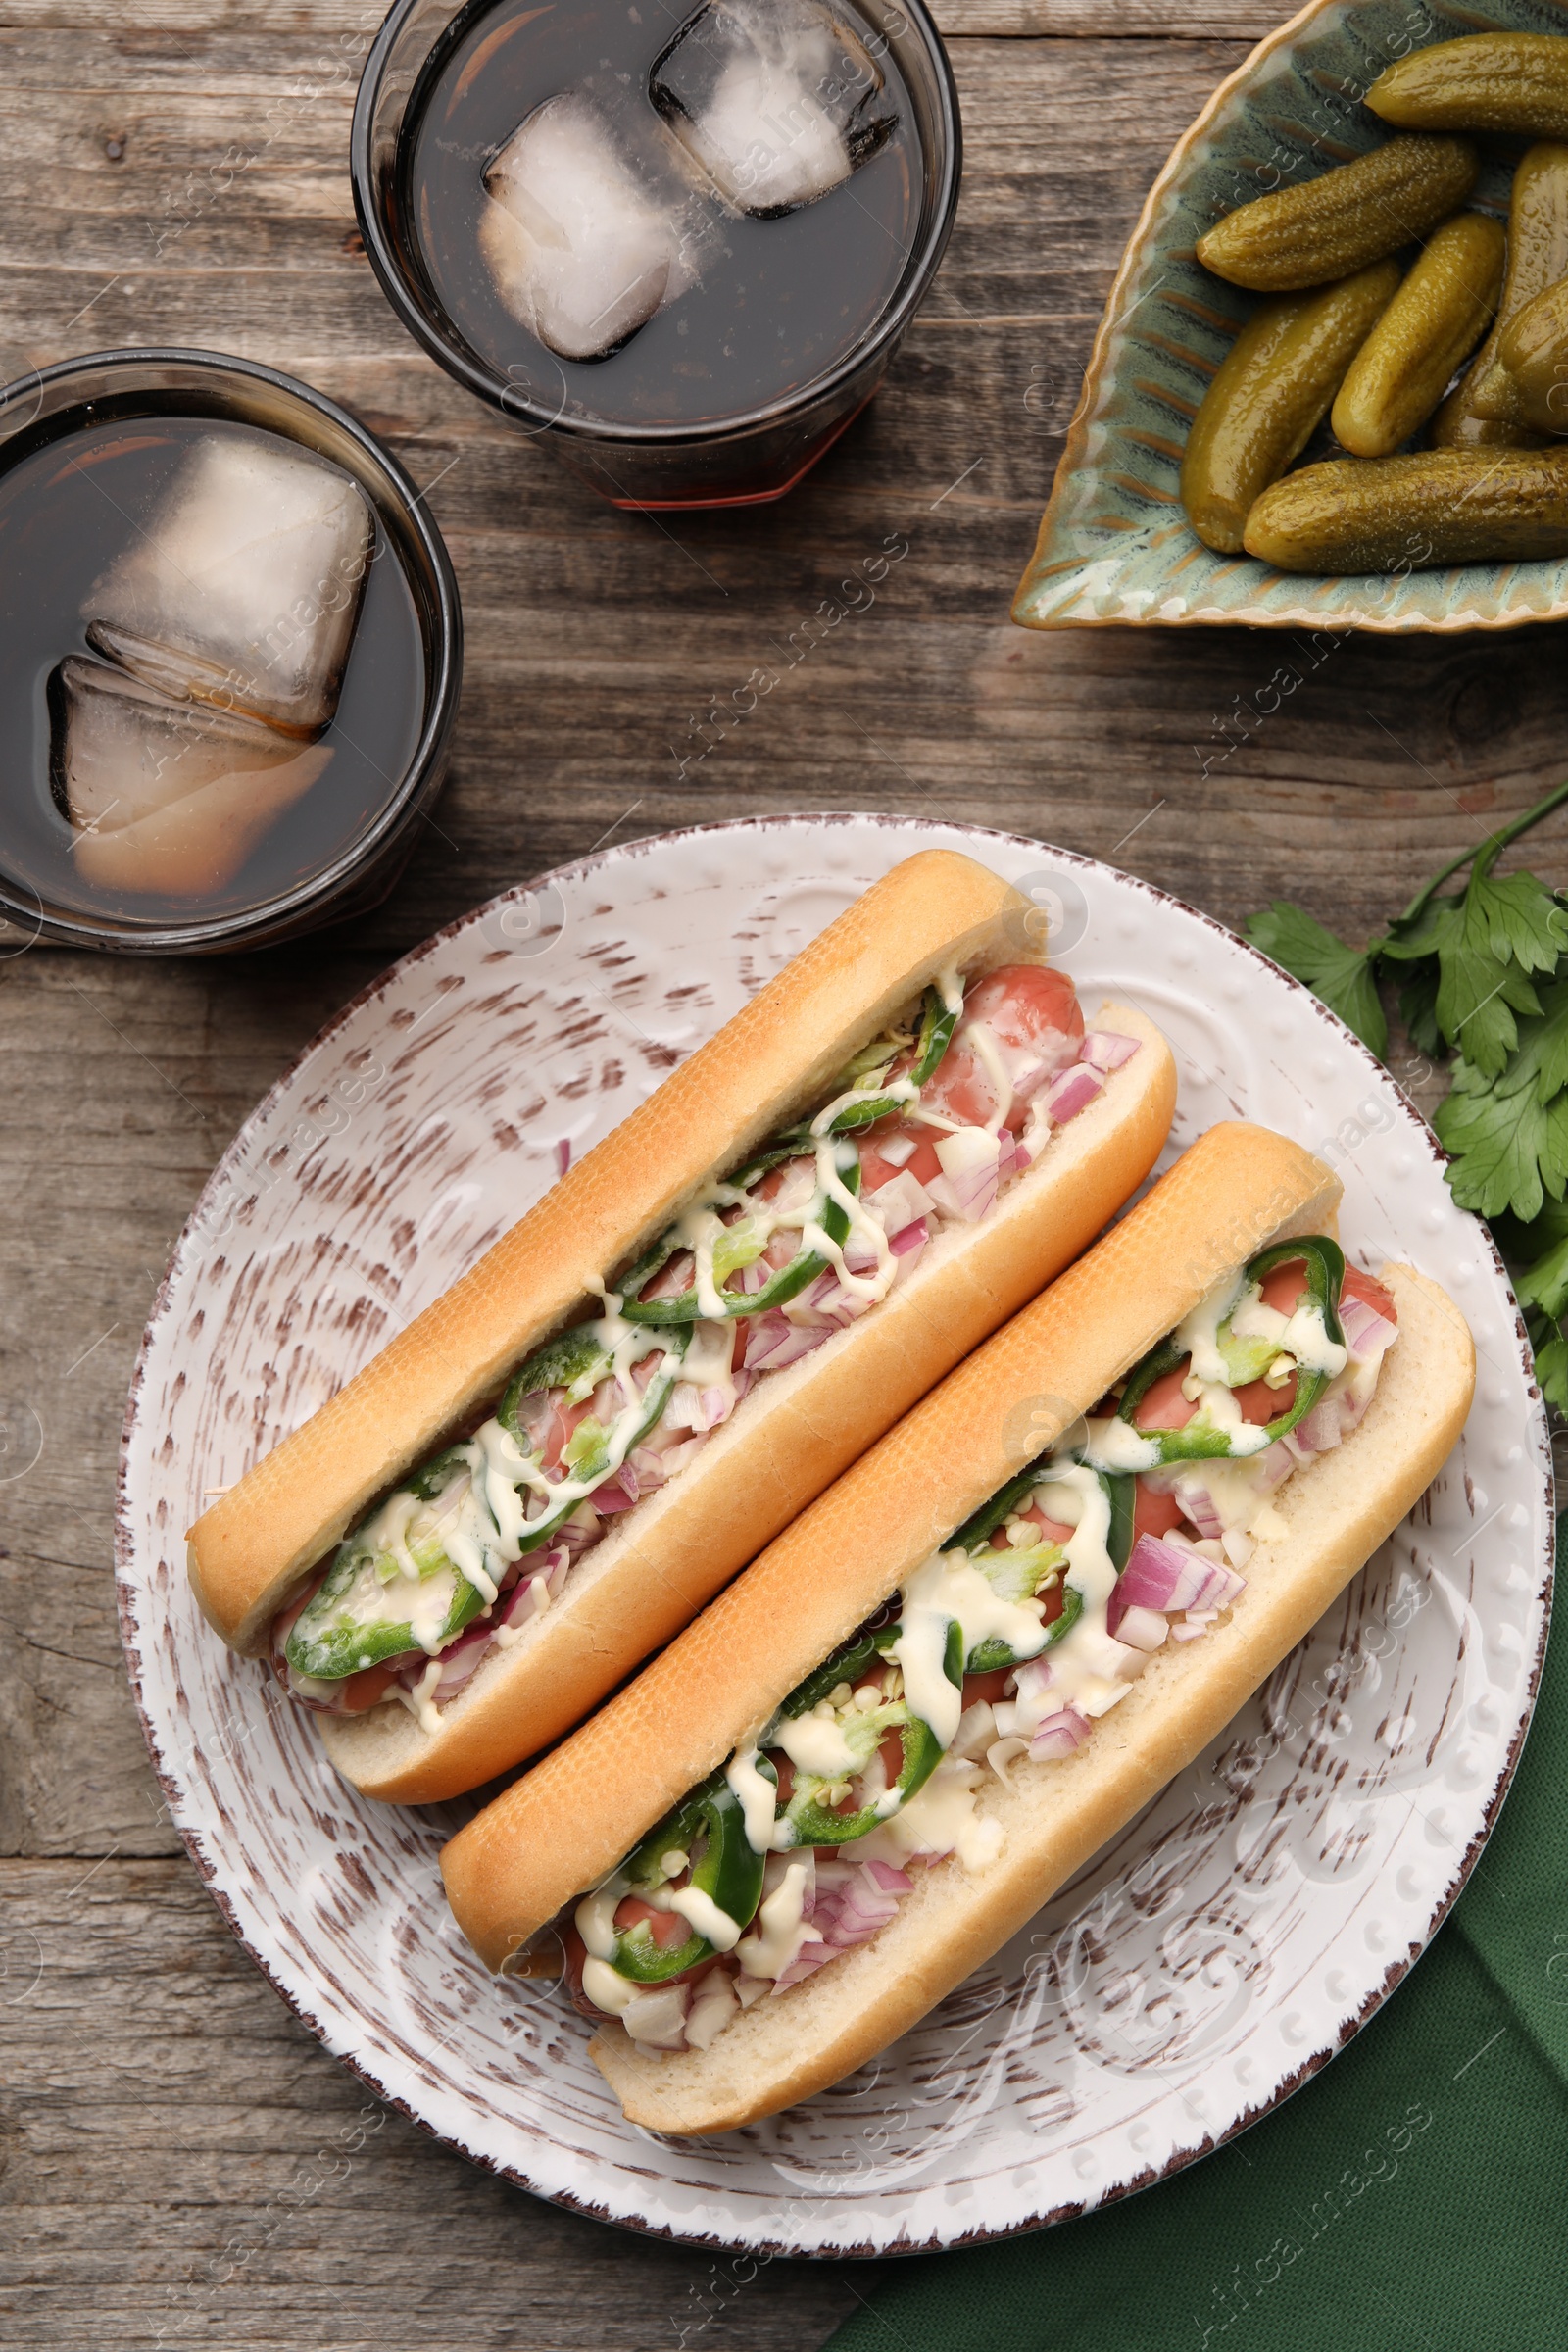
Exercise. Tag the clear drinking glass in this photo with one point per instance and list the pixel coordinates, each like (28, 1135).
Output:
(42, 413)
(738, 459)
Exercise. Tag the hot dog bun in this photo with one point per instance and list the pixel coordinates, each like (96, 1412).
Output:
(787, 1439)
(568, 1823)
(1339, 1509)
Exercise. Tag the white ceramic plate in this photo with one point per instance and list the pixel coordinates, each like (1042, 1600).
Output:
(1199, 1970)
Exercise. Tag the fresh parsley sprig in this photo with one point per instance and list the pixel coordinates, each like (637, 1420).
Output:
(1482, 977)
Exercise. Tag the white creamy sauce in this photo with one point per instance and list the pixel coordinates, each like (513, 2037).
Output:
(816, 1744)
(949, 1588)
(774, 1942)
(1198, 1334)
(595, 1918)
(387, 1533)
(983, 1045)
(606, 1987)
(939, 1818)
(758, 1798)
(701, 1914)
(1114, 1445)
(1306, 1337)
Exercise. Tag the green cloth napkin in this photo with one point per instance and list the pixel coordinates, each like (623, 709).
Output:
(1414, 2194)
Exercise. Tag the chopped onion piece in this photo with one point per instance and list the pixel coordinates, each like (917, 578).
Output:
(1167, 1577)
(1059, 1736)
(1106, 1049)
(1366, 1331)
(1142, 1629)
(1071, 1092)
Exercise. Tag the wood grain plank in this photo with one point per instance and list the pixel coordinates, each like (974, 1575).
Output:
(180, 2158)
(1077, 19)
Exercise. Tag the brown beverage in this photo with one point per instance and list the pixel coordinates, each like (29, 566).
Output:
(763, 289)
(164, 753)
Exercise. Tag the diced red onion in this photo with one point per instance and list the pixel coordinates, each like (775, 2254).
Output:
(853, 1914)
(1366, 1331)
(1058, 1736)
(1162, 1576)
(1011, 1158)
(911, 1239)
(1198, 1504)
(649, 1468)
(969, 1196)
(1142, 1629)
(891, 1881)
(1104, 1050)
(859, 1255)
(1065, 1096)
(1238, 1546)
(1317, 1432)
(1275, 1465)
(617, 1494)
(812, 1956)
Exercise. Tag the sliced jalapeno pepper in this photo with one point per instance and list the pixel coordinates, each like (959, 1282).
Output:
(937, 1024)
(813, 1823)
(803, 1268)
(989, 1658)
(329, 1650)
(1324, 1260)
(727, 1870)
(549, 1369)
(871, 1641)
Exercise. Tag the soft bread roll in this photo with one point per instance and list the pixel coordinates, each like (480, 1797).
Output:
(568, 1823)
(786, 1440)
(1337, 1510)
(249, 1551)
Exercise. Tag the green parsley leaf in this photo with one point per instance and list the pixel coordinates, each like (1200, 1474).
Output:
(1341, 976)
(1478, 993)
(1542, 1059)
(1517, 917)
(1545, 1285)
(1509, 1150)
(1551, 1370)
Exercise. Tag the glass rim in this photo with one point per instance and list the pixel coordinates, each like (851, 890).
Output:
(443, 653)
(487, 386)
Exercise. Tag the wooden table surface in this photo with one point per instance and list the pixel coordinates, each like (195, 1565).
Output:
(181, 2163)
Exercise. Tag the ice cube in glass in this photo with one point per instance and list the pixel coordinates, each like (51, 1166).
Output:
(164, 796)
(583, 245)
(244, 589)
(778, 101)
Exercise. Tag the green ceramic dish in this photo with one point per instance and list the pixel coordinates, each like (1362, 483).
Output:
(1114, 547)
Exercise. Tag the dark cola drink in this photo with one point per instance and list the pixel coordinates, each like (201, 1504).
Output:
(210, 682)
(651, 220)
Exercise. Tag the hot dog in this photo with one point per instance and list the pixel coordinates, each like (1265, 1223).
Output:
(555, 1466)
(981, 1652)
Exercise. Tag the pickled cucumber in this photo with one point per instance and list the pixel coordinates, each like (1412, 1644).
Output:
(1514, 82)
(1272, 391)
(1447, 506)
(1533, 352)
(1347, 218)
(1538, 256)
(1438, 316)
